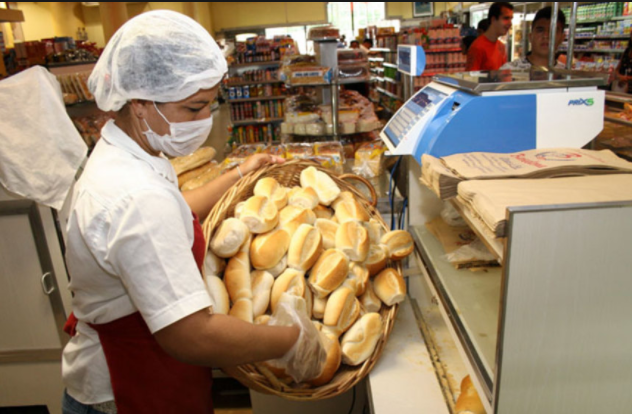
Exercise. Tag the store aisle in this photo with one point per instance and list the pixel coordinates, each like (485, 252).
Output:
(219, 134)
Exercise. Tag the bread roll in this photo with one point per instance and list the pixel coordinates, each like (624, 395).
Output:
(377, 259)
(329, 272)
(390, 287)
(228, 238)
(369, 299)
(343, 309)
(259, 214)
(291, 218)
(277, 270)
(399, 244)
(323, 212)
(309, 301)
(350, 210)
(357, 279)
(375, 229)
(209, 174)
(292, 282)
(353, 240)
(334, 358)
(262, 320)
(267, 250)
(325, 187)
(238, 209)
(189, 162)
(305, 198)
(469, 401)
(327, 229)
(218, 293)
(213, 265)
(318, 308)
(344, 196)
(261, 289)
(270, 188)
(305, 248)
(359, 342)
(242, 309)
(237, 278)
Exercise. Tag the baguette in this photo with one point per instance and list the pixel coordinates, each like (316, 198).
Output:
(242, 309)
(218, 293)
(237, 278)
(194, 173)
(208, 175)
(189, 162)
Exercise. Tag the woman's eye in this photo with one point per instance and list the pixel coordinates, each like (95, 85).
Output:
(195, 110)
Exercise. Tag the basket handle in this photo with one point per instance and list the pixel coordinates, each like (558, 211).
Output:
(364, 181)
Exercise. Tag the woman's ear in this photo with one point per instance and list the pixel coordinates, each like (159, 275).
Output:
(139, 108)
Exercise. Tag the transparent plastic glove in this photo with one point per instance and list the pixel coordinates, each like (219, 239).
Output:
(306, 359)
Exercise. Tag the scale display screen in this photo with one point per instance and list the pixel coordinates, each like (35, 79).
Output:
(412, 113)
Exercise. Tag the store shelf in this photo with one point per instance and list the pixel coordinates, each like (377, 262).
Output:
(604, 20)
(613, 51)
(612, 117)
(496, 246)
(268, 82)
(257, 99)
(376, 59)
(596, 37)
(387, 93)
(472, 297)
(390, 65)
(390, 80)
(255, 64)
(257, 121)
(458, 49)
(382, 50)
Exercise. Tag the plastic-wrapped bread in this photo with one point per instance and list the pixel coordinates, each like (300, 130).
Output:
(469, 401)
(390, 287)
(242, 309)
(237, 277)
(305, 197)
(357, 279)
(277, 270)
(327, 229)
(291, 218)
(218, 293)
(343, 309)
(377, 259)
(261, 290)
(189, 162)
(325, 187)
(229, 238)
(259, 214)
(334, 358)
(270, 188)
(323, 212)
(399, 244)
(291, 282)
(305, 248)
(353, 240)
(267, 250)
(369, 299)
(329, 272)
(213, 265)
(318, 308)
(358, 344)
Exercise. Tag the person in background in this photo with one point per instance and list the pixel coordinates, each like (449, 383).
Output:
(367, 44)
(488, 52)
(466, 42)
(354, 44)
(623, 73)
(144, 334)
(482, 27)
(342, 43)
(539, 39)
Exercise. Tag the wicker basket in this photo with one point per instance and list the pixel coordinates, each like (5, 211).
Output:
(256, 376)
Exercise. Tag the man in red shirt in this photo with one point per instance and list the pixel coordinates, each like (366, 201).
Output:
(487, 52)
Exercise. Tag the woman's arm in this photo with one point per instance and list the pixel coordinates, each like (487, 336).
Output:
(224, 341)
(202, 199)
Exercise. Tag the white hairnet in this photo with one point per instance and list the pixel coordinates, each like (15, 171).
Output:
(160, 56)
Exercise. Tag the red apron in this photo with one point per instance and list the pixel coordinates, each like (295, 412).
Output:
(145, 379)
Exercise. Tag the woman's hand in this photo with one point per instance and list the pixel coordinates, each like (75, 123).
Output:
(257, 161)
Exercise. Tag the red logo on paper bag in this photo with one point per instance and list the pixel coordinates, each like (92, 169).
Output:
(557, 156)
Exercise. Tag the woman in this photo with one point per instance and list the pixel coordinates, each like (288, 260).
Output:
(146, 334)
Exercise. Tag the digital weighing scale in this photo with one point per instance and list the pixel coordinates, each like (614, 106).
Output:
(499, 111)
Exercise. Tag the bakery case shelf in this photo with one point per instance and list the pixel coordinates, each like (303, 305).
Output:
(256, 121)
(258, 99)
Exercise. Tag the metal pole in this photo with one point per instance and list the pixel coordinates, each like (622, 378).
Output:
(552, 32)
(335, 91)
(571, 37)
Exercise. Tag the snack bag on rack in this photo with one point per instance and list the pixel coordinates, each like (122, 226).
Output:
(242, 152)
(333, 151)
(369, 159)
(299, 150)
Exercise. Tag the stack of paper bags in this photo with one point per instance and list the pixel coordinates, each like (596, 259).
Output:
(489, 199)
(443, 175)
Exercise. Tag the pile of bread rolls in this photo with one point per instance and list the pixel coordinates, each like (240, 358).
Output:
(314, 242)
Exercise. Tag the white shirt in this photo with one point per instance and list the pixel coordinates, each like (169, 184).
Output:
(523, 63)
(130, 235)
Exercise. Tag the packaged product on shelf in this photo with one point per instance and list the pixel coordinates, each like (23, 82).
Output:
(323, 33)
(90, 127)
(328, 162)
(298, 150)
(353, 64)
(300, 110)
(276, 150)
(244, 151)
(369, 159)
(333, 150)
(352, 56)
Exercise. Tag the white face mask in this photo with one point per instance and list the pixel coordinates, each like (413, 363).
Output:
(184, 137)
